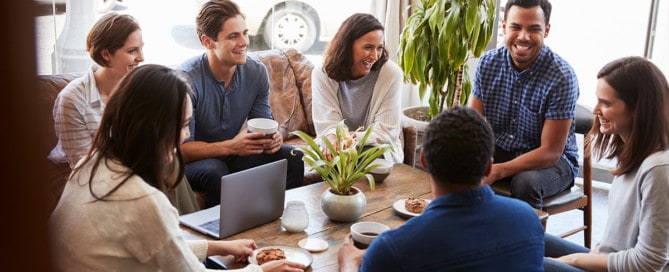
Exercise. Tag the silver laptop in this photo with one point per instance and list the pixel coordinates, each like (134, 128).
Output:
(249, 198)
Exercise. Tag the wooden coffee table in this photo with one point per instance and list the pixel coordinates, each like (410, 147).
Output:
(403, 182)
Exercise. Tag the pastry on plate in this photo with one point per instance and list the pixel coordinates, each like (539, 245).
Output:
(270, 254)
(415, 205)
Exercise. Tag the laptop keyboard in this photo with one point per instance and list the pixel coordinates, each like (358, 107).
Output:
(212, 225)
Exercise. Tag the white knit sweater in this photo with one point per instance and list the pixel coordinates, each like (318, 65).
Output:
(384, 109)
(135, 229)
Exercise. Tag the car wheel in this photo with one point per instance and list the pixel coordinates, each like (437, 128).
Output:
(288, 28)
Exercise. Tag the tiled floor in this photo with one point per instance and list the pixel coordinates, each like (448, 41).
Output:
(563, 222)
(560, 223)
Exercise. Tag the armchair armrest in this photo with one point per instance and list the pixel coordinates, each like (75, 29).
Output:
(409, 134)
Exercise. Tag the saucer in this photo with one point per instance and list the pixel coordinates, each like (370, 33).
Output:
(313, 244)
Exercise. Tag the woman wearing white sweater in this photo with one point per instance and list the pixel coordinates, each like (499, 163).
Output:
(114, 215)
(358, 84)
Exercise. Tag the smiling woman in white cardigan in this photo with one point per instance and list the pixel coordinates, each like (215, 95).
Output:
(358, 84)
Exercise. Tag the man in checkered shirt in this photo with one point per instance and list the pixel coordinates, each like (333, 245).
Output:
(528, 94)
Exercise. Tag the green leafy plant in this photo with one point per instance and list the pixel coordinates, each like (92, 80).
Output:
(438, 39)
(350, 160)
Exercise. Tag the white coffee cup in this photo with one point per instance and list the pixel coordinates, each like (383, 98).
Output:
(383, 171)
(363, 233)
(268, 126)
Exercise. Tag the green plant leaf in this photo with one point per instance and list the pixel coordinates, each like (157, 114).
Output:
(348, 164)
(452, 19)
(307, 139)
(370, 179)
(444, 34)
(368, 131)
(471, 18)
(328, 145)
(482, 41)
(474, 36)
(433, 19)
(466, 90)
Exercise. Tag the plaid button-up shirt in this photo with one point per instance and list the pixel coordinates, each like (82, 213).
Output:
(516, 103)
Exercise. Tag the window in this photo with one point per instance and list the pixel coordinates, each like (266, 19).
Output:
(588, 34)
(168, 27)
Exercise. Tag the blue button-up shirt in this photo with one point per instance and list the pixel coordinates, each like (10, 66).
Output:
(517, 103)
(219, 113)
(472, 230)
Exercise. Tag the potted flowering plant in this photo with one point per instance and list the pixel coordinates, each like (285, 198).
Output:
(350, 162)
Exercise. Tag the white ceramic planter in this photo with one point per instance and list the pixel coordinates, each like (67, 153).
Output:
(420, 125)
(343, 208)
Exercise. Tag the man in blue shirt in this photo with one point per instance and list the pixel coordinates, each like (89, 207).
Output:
(466, 227)
(528, 94)
(228, 88)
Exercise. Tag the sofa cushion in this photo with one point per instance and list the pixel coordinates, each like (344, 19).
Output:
(290, 85)
(48, 88)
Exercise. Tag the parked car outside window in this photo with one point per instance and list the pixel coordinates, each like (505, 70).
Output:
(297, 24)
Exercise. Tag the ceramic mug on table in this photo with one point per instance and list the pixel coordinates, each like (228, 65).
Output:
(364, 233)
(383, 171)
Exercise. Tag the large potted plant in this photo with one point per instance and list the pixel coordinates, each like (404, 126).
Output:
(350, 162)
(438, 39)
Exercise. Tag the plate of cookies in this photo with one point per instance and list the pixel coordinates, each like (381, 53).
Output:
(410, 207)
(271, 253)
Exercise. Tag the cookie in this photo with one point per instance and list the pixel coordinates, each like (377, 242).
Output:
(415, 205)
(270, 254)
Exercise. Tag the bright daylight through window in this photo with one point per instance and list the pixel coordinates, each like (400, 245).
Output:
(169, 30)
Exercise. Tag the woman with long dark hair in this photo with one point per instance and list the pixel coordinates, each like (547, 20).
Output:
(632, 127)
(113, 214)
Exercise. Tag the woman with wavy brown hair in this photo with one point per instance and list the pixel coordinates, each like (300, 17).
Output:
(358, 84)
(632, 127)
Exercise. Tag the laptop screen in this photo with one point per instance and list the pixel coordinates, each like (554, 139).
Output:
(249, 198)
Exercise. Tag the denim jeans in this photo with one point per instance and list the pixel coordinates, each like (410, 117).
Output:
(205, 175)
(533, 186)
(214, 265)
(558, 247)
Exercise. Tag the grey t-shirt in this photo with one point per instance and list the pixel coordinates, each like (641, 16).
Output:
(354, 98)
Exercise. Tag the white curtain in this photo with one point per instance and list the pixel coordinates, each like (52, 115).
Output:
(393, 14)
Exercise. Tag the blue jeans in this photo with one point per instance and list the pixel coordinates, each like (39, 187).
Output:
(558, 247)
(205, 175)
(214, 265)
(533, 186)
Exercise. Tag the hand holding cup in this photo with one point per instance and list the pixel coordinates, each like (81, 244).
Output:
(267, 126)
(364, 233)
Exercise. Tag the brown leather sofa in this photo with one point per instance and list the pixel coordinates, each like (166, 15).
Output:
(290, 99)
